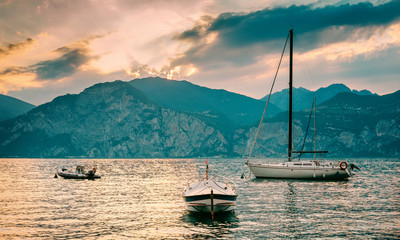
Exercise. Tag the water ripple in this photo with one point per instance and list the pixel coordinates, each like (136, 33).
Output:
(141, 198)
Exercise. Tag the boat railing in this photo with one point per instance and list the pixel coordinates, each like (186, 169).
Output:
(309, 152)
(233, 188)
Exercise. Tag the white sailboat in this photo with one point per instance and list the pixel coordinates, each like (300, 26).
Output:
(311, 169)
(209, 196)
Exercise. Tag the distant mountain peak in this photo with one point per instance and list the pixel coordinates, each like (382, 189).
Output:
(11, 107)
(116, 85)
(160, 79)
(303, 97)
(337, 85)
(188, 97)
(363, 92)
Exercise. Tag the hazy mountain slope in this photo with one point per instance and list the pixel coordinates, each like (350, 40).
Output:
(211, 103)
(110, 120)
(347, 125)
(303, 98)
(117, 120)
(11, 107)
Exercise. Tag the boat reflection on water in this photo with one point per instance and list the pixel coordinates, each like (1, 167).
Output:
(291, 210)
(221, 227)
(204, 218)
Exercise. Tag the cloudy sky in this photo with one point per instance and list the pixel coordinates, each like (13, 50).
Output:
(53, 47)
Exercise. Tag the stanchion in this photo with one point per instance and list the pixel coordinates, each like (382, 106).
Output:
(212, 204)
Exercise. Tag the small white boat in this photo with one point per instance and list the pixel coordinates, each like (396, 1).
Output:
(209, 196)
(79, 173)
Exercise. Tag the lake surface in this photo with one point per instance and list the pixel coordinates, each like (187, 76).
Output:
(141, 198)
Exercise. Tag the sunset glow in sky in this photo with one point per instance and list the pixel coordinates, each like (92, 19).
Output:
(51, 48)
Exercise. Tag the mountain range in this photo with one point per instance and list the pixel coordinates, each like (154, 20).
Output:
(281, 100)
(347, 125)
(109, 120)
(155, 117)
(221, 108)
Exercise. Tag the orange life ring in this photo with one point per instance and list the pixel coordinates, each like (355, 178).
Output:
(343, 165)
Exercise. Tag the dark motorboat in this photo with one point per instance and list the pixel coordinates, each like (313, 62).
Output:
(79, 173)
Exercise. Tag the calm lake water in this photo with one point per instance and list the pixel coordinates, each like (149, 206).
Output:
(141, 198)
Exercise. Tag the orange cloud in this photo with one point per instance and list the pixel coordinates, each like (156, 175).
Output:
(13, 47)
(16, 82)
(348, 50)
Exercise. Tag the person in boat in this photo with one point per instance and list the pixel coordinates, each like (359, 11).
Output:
(80, 169)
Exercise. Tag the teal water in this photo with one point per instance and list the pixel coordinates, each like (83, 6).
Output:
(141, 198)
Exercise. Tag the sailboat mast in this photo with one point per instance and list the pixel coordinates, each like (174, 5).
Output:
(315, 129)
(290, 94)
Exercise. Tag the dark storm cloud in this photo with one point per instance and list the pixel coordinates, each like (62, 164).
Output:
(12, 47)
(190, 34)
(242, 37)
(240, 29)
(197, 32)
(271, 24)
(63, 66)
(16, 71)
(72, 57)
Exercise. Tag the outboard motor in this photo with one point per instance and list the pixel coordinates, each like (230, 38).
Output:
(91, 173)
(352, 166)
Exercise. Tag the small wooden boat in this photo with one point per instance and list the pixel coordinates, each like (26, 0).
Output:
(209, 196)
(79, 173)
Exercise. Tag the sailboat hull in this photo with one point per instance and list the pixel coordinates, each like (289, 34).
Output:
(282, 171)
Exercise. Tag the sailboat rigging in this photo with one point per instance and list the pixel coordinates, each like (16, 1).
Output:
(311, 169)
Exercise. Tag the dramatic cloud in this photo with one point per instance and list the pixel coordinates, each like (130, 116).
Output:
(13, 47)
(65, 61)
(64, 66)
(72, 58)
(229, 44)
(233, 43)
(267, 26)
(270, 24)
(16, 71)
